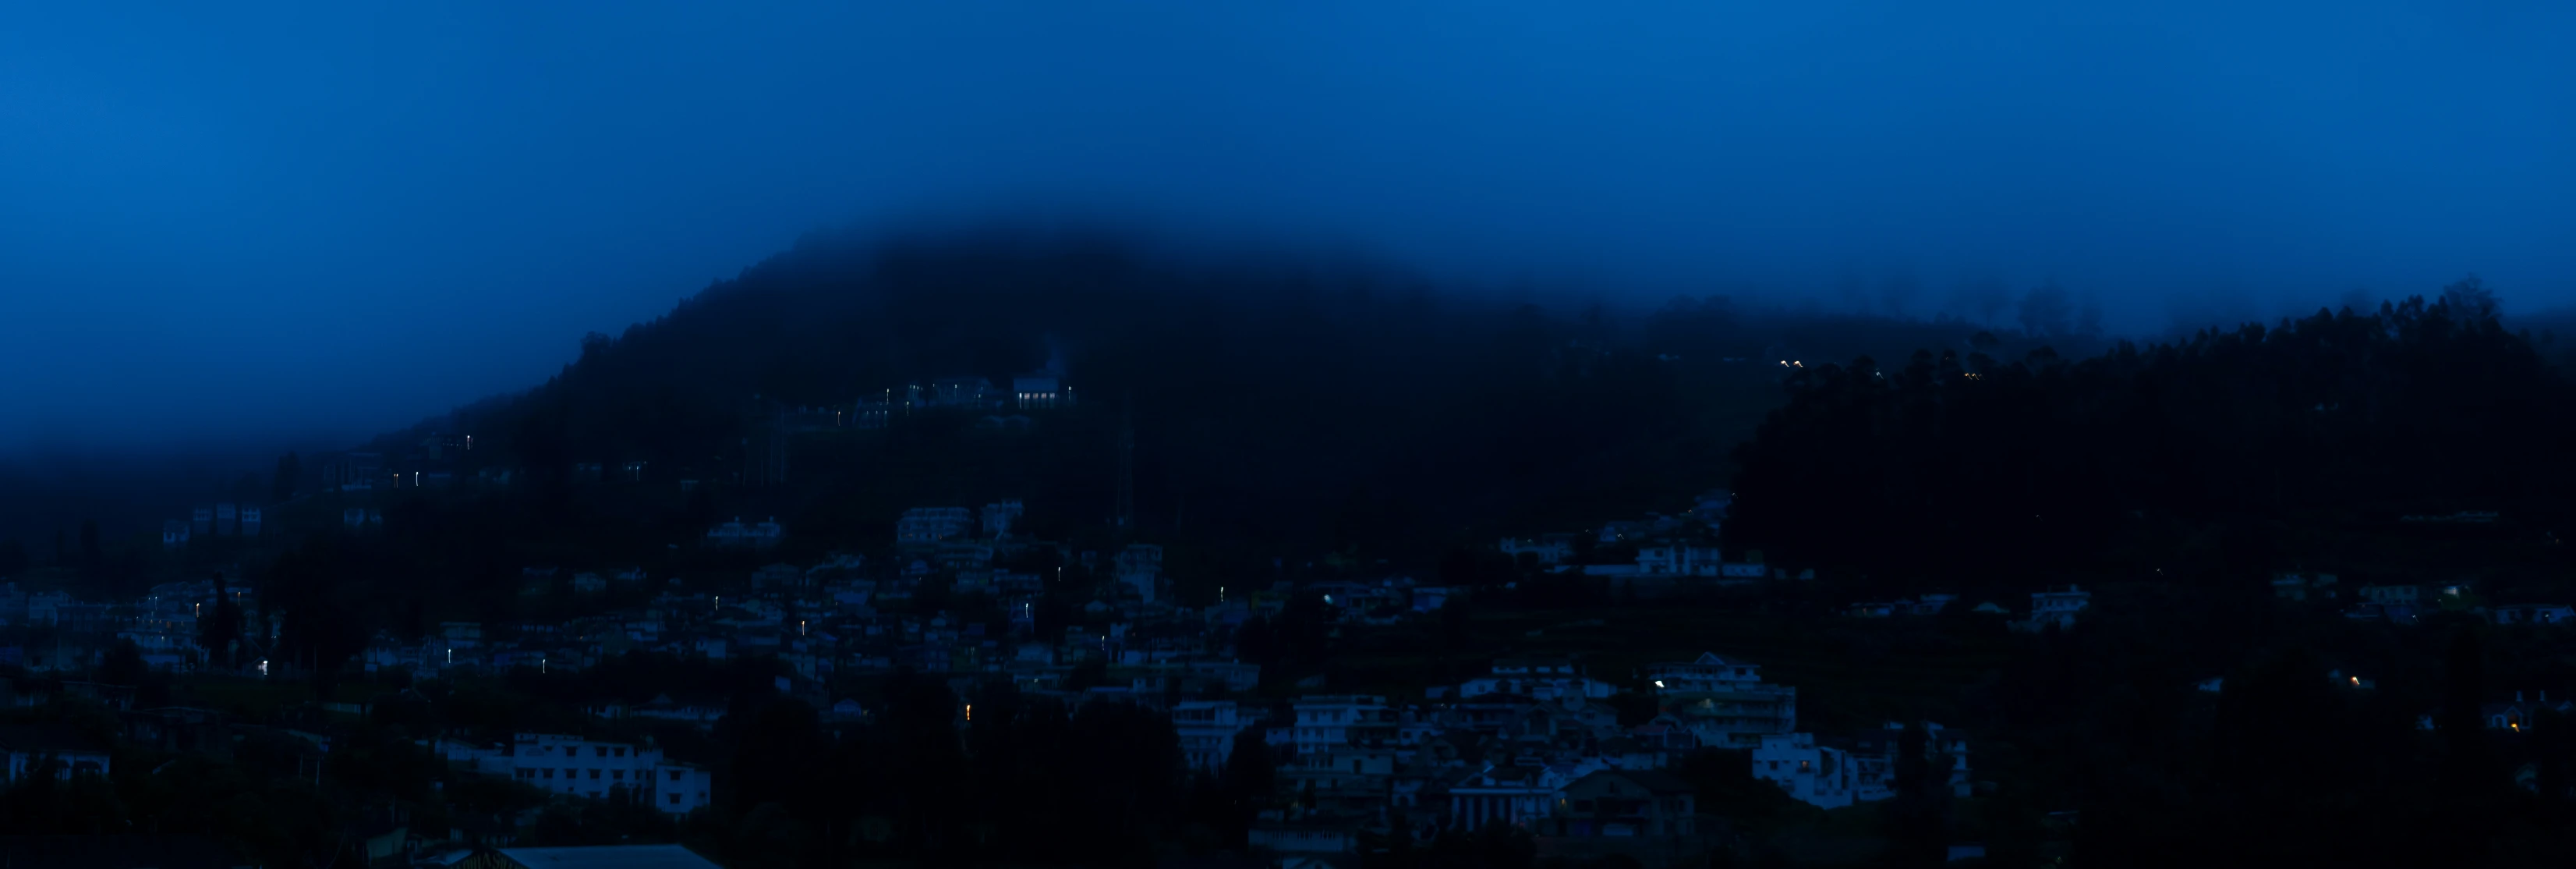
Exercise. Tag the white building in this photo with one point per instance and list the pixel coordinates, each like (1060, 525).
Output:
(1679, 559)
(1809, 773)
(1207, 729)
(579, 767)
(929, 525)
(2055, 608)
(1140, 567)
(1515, 795)
(737, 534)
(2533, 614)
(1328, 722)
(1723, 702)
(1040, 390)
(1002, 516)
(1547, 548)
(1538, 680)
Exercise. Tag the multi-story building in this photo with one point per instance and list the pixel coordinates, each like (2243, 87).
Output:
(1207, 730)
(579, 767)
(1809, 773)
(1331, 721)
(922, 526)
(1874, 753)
(1723, 702)
(1538, 680)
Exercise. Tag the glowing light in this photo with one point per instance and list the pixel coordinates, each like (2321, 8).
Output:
(1659, 683)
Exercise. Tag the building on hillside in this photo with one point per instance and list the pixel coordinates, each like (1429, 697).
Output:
(575, 766)
(1207, 729)
(1040, 390)
(1809, 773)
(926, 526)
(202, 520)
(1537, 680)
(1723, 702)
(250, 521)
(2305, 586)
(1515, 795)
(585, 857)
(2409, 595)
(1140, 567)
(1546, 548)
(960, 392)
(227, 520)
(174, 534)
(2533, 614)
(2056, 608)
(737, 534)
(1679, 559)
(1874, 753)
(26, 748)
(1325, 722)
(1002, 517)
(1647, 815)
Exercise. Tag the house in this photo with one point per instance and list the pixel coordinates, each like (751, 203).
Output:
(1927, 605)
(1326, 722)
(575, 766)
(250, 521)
(2409, 595)
(1546, 548)
(2532, 614)
(2398, 613)
(963, 392)
(1140, 567)
(2304, 586)
(1678, 559)
(1040, 390)
(174, 534)
(1207, 729)
(736, 534)
(778, 576)
(1810, 773)
(2054, 608)
(592, 857)
(924, 526)
(1537, 680)
(1002, 516)
(27, 748)
(1874, 754)
(2514, 716)
(1723, 702)
(1648, 811)
(1513, 794)
(1308, 833)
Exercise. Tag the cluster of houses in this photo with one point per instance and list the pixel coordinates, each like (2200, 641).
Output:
(221, 520)
(1535, 744)
(2403, 604)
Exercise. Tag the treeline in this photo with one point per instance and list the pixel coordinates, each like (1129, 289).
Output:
(2215, 459)
(1278, 409)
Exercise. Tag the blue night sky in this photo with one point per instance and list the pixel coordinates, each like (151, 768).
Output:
(232, 221)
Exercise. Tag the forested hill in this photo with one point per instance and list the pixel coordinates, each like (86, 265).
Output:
(1278, 408)
(2374, 443)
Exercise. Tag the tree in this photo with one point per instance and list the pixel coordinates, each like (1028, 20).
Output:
(124, 665)
(1913, 818)
(1249, 783)
(220, 629)
(93, 553)
(282, 485)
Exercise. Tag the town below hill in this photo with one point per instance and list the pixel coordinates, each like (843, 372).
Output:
(939, 555)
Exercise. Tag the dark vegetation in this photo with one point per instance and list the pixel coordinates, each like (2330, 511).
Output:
(1296, 424)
